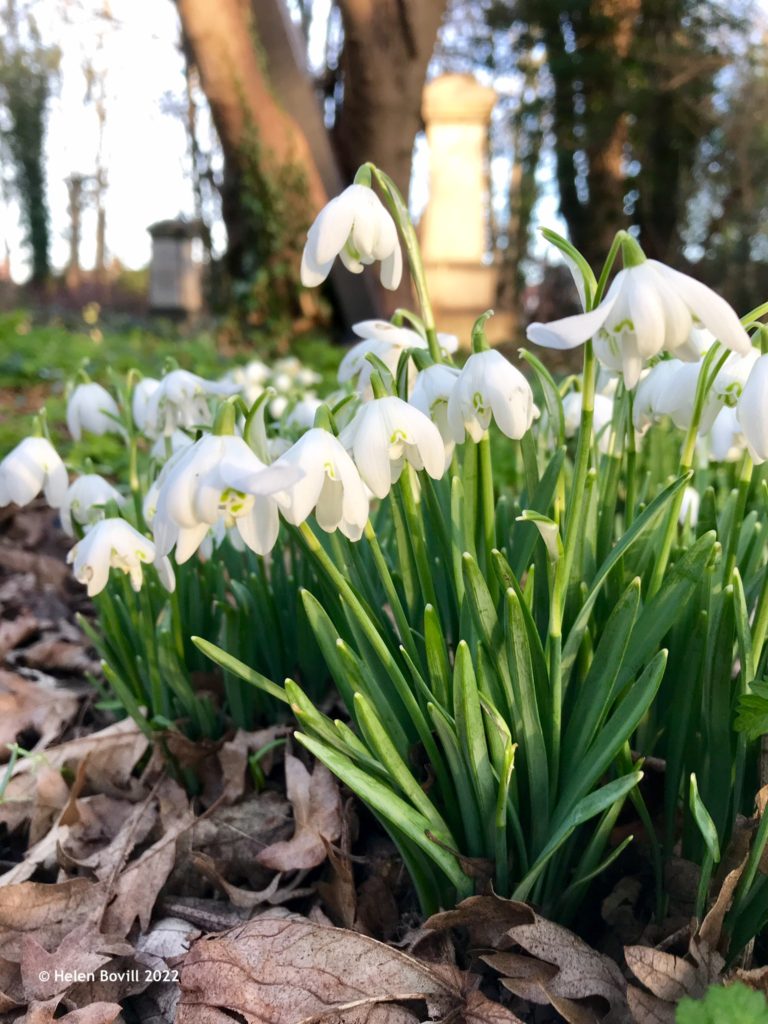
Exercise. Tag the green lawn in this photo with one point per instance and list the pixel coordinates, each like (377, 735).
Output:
(37, 361)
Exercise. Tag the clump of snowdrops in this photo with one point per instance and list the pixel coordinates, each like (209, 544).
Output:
(509, 647)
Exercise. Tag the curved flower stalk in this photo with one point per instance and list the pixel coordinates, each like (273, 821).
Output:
(115, 544)
(329, 483)
(91, 409)
(356, 227)
(85, 501)
(490, 387)
(201, 488)
(181, 400)
(385, 434)
(649, 308)
(31, 467)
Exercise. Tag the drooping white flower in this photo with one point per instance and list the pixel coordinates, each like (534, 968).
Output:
(725, 440)
(357, 227)
(490, 387)
(669, 389)
(752, 410)
(387, 342)
(648, 308)
(141, 395)
(329, 483)
(199, 490)
(181, 400)
(91, 409)
(602, 415)
(31, 467)
(385, 434)
(85, 500)
(115, 544)
(431, 392)
(302, 415)
(689, 508)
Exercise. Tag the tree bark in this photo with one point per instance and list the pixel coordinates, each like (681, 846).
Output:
(223, 47)
(387, 47)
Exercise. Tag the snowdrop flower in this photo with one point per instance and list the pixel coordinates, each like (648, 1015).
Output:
(355, 226)
(85, 500)
(384, 340)
(33, 466)
(200, 489)
(752, 411)
(725, 439)
(277, 406)
(601, 417)
(181, 400)
(490, 387)
(114, 544)
(330, 484)
(250, 379)
(430, 395)
(141, 395)
(302, 415)
(689, 509)
(385, 434)
(93, 410)
(648, 308)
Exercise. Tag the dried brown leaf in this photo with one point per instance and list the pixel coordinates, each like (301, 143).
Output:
(487, 919)
(47, 912)
(54, 654)
(233, 758)
(317, 816)
(82, 950)
(648, 1009)
(26, 705)
(286, 970)
(15, 631)
(668, 977)
(96, 1013)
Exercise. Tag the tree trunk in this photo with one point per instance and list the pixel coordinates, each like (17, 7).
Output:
(246, 115)
(387, 47)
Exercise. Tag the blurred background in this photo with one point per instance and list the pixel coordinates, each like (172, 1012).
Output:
(161, 158)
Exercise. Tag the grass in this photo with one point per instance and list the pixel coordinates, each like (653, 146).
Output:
(37, 361)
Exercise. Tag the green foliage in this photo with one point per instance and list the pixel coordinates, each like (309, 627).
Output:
(27, 71)
(265, 252)
(735, 1004)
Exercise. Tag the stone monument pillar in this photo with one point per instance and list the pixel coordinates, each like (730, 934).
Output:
(175, 276)
(454, 231)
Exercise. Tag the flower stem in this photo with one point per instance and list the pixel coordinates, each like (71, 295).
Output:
(745, 479)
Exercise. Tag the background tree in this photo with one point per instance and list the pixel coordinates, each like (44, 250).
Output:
(27, 71)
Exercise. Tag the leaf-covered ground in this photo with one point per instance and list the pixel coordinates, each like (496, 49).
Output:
(265, 895)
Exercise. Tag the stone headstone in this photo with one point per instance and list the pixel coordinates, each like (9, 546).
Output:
(455, 228)
(175, 276)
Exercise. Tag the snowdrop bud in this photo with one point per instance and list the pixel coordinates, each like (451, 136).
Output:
(115, 544)
(85, 500)
(490, 387)
(33, 466)
(385, 434)
(355, 226)
(330, 484)
(93, 410)
(141, 395)
(752, 410)
(689, 509)
(648, 308)
(206, 484)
